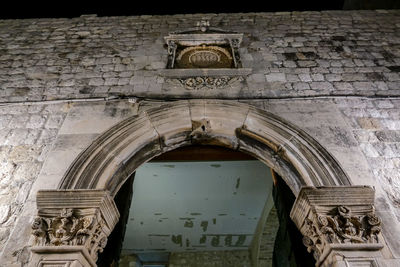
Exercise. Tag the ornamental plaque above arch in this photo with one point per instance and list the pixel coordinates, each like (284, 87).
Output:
(204, 58)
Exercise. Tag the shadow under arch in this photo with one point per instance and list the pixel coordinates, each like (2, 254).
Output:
(298, 158)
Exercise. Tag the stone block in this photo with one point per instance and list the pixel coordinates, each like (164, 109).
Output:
(275, 77)
(369, 123)
(95, 118)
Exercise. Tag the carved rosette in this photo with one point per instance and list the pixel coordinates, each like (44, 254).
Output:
(87, 221)
(201, 83)
(340, 227)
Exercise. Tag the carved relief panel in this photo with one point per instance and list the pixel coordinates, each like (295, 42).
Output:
(204, 58)
(203, 47)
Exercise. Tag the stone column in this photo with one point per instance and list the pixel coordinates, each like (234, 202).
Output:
(339, 225)
(72, 227)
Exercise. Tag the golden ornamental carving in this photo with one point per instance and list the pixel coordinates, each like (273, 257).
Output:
(204, 57)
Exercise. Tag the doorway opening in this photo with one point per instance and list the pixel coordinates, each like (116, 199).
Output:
(205, 206)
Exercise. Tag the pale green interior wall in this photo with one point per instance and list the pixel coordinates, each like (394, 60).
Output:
(196, 206)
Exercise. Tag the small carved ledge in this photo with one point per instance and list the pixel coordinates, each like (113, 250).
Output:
(205, 79)
(71, 218)
(184, 73)
(205, 83)
(339, 218)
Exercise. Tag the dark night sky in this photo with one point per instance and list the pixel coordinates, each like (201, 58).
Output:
(74, 8)
(65, 8)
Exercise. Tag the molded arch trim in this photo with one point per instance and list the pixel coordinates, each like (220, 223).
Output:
(298, 158)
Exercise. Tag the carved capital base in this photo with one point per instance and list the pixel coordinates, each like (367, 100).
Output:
(338, 224)
(348, 255)
(72, 226)
(61, 256)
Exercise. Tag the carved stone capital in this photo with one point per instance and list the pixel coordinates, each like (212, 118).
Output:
(337, 219)
(74, 218)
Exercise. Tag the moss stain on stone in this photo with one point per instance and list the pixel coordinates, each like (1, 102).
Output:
(240, 241)
(177, 239)
(203, 239)
(188, 224)
(204, 225)
(215, 241)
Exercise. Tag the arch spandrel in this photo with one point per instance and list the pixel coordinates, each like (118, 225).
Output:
(116, 154)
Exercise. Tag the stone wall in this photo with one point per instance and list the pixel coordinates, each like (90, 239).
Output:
(291, 54)
(327, 72)
(376, 127)
(27, 134)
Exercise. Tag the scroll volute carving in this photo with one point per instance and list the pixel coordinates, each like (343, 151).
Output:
(335, 216)
(339, 227)
(76, 225)
(68, 229)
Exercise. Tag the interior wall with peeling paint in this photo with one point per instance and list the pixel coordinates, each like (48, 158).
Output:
(196, 206)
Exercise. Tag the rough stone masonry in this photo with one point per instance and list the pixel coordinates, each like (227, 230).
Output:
(334, 74)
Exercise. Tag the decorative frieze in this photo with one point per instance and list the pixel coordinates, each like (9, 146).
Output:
(204, 82)
(337, 218)
(74, 218)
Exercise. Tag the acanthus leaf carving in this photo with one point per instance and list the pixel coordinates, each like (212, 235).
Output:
(339, 227)
(71, 230)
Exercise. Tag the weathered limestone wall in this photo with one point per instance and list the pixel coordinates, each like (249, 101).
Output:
(291, 54)
(27, 134)
(308, 60)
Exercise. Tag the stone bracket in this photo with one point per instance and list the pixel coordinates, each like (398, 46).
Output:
(336, 221)
(73, 223)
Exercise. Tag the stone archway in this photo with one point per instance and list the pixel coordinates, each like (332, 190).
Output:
(75, 220)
